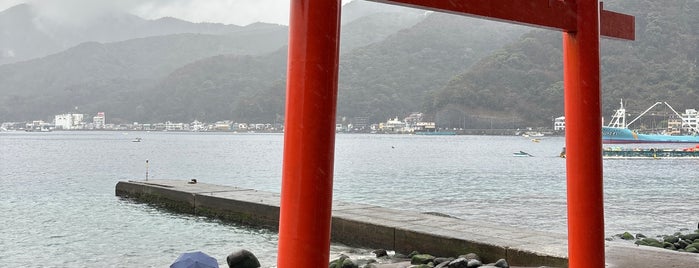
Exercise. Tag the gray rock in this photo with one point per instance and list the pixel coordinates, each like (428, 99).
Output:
(380, 253)
(242, 259)
(442, 259)
(473, 263)
(421, 259)
(444, 264)
(626, 236)
(471, 256)
(690, 237)
(671, 239)
(337, 263)
(639, 236)
(652, 242)
(349, 263)
(669, 245)
(502, 263)
(458, 263)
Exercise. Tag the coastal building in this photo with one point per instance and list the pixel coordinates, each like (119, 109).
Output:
(222, 125)
(674, 125)
(99, 120)
(690, 121)
(170, 126)
(392, 125)
(38, 125)
(559, 123)
(69, 121)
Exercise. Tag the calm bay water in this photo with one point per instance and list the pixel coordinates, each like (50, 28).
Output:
(59, 208)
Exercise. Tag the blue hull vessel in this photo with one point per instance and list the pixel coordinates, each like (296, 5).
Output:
(611, 135)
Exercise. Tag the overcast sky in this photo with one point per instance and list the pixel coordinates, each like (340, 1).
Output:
(239, 12)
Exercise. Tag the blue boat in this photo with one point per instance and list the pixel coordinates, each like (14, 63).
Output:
(618, 132)
(612, 135)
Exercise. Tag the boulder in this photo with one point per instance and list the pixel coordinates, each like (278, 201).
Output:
(349, 263)
(242, 259)
(669, 245)
(671, 239)
(626, 236)
(690, 237)
(471, 256)
(652, 242)
(440, 260)
(502, 263)
(380, 253)
(458, 263)
(639, 236)
(337, 263)
(421, 259)
(473, 263)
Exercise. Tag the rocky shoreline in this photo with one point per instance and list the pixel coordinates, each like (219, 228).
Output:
(679, 241)
(414, 260)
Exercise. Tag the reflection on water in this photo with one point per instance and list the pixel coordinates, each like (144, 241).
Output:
(59, 206)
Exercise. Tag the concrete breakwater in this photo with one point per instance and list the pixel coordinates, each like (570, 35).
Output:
(371, 226)
(361, 225)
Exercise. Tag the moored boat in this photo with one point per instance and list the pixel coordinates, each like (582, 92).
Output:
(612, 135)
(646, 153)
(618, 131)
(654, 153)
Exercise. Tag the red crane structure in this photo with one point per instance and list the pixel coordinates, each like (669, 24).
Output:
(309, 138)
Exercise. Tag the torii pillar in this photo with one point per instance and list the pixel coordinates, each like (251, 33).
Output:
(309, 139)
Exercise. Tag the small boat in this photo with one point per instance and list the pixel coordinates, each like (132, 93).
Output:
(522, 154)
(136, 140)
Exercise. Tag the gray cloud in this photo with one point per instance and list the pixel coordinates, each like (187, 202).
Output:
(239, 12)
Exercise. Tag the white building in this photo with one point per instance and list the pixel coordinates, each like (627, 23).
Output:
(690, 121)
(99, 120)
(69, 121)
(559, 124)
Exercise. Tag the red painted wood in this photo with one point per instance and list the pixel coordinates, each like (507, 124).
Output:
(304, 231)
(616, 25)
(552, 14)
(309, 133)
(581, 61)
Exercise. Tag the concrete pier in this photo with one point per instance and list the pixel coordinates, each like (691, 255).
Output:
(403, 231)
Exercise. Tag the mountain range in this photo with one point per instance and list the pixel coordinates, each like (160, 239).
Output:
(460, 71)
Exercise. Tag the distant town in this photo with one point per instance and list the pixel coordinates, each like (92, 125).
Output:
(413, 123)
(676, 124)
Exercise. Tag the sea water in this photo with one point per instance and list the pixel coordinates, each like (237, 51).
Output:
(59, 208)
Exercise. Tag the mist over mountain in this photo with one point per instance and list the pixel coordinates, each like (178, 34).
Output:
(461, 72)
(27, 32)
(115, 76)
(521, 85)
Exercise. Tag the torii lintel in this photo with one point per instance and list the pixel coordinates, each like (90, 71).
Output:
(552, 14)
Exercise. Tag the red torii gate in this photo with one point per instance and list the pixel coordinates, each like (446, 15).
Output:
(309, 139)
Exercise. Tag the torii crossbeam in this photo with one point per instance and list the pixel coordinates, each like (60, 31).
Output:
(309, 139)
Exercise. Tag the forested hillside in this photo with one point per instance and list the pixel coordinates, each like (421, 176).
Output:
(461, 72)
(380, 80)
(521, 85)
